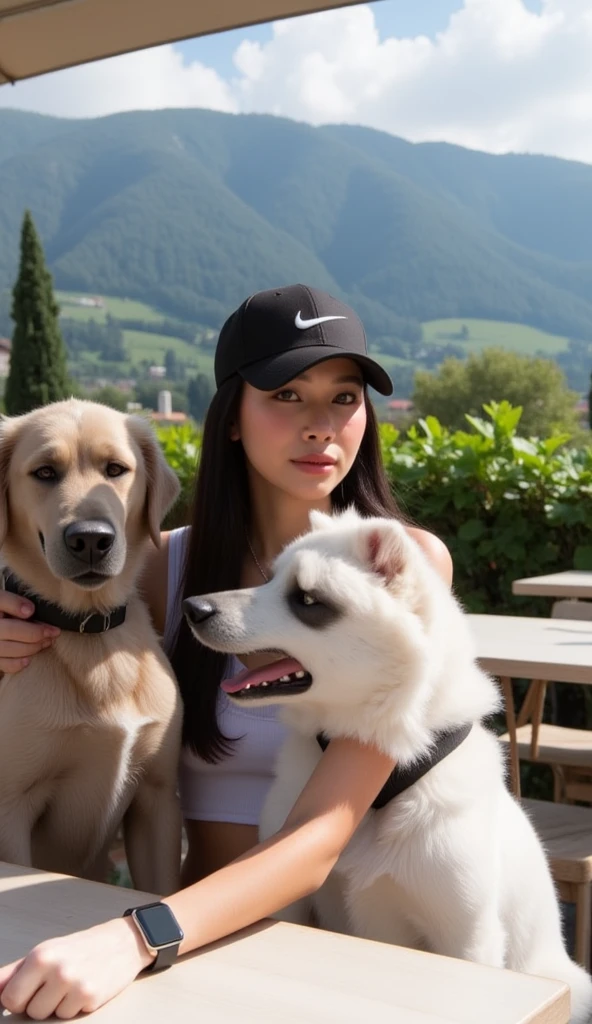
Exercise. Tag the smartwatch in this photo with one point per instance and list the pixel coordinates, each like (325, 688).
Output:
(160, 931)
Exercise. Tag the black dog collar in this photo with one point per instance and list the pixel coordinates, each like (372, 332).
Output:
(53, 615)
(401, 778)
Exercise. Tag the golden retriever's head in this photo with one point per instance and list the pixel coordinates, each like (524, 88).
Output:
(81, 488)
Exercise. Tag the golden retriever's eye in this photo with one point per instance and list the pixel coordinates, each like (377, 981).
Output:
(116, 469)
(45, 473)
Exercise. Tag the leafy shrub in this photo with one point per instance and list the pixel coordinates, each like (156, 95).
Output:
(181, 446)
(507, 506)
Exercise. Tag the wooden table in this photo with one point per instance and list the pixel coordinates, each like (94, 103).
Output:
(277, 972)
(575, 583)
(521, 647)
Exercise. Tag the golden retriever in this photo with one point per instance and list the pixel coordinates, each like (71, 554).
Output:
(90, 729)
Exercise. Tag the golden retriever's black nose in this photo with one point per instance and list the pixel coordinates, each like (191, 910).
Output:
(198, 609)
(89, 540)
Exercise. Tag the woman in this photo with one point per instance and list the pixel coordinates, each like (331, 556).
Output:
(289, 429)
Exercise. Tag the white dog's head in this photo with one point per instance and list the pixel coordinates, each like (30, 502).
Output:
(351, 605)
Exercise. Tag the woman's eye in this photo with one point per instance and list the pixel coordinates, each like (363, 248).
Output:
(287, 395)
(115, 469)
(45, 473)
(346, 398)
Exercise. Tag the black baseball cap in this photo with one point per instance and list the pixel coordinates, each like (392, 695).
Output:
(276, 335)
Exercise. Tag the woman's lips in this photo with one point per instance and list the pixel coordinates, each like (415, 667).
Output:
(317, 465)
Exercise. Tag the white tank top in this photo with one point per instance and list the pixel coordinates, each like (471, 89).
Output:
(234, 788)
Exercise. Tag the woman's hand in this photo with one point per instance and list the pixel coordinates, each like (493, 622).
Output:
(74, 974)
(19, 639)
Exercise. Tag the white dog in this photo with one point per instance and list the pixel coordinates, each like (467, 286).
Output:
(380, 650)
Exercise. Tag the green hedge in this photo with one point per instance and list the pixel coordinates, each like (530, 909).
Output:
(181, 446)
(506, 506)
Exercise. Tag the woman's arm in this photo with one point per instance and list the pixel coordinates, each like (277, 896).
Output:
(296, 860)
(80, 972)
(436, 551)
(153, 582)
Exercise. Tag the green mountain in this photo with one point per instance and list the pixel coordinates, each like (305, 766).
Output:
(191, 210)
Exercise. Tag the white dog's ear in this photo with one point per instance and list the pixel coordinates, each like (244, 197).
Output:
(162, 484)
(383, 548)
(319, 520)
(7, 439)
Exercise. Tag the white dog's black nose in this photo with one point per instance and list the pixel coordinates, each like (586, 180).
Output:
(198, 609)
(89, 540)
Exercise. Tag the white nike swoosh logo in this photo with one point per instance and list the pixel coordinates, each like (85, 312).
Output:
(303, 324)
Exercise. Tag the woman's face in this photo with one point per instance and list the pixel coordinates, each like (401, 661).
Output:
(303, 438)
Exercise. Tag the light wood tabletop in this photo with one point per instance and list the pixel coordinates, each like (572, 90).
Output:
(520, 647)
(574, 583)
(277, 972)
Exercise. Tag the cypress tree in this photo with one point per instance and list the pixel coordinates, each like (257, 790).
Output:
(38, 370)
(590, 404)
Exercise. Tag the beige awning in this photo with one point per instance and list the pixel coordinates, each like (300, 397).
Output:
(43, 35)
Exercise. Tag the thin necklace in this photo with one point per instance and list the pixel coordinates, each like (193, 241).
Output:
(257, 562)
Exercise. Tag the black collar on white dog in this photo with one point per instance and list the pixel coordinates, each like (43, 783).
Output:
(53, 615)
(401, 778)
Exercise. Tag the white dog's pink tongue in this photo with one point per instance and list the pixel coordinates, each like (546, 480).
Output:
(266, 674)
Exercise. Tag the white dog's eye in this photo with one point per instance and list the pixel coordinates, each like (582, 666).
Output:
(315, 612)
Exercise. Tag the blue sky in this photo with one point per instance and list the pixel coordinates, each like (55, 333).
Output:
(500, 76)
(402, 18)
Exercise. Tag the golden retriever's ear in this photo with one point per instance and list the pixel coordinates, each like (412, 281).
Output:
(162, 484)
(7, 439)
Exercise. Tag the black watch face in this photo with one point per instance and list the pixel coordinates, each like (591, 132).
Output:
(159, 926)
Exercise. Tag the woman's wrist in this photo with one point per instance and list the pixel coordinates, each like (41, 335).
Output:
(134, 943)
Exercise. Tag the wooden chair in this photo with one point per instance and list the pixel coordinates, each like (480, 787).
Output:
(566, 834)
(565, 831)
(567, 751)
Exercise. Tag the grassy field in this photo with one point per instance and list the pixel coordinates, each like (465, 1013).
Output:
(390, 363)
(526, 341)
(123, 309)
(140, 345)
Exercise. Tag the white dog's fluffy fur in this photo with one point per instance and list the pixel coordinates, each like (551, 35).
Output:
(452, 865)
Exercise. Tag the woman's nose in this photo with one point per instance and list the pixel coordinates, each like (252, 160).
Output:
(321, 431)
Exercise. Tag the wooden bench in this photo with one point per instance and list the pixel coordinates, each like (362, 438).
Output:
(566, 834)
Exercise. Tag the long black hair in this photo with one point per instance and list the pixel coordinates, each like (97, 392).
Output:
(220, 524)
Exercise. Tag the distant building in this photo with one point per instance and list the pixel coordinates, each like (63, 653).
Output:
(5, 347)
(157, 371)
(164, 419)
(401, 405)
(400, 411)
(165, 403)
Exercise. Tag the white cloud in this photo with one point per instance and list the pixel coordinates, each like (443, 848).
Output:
(145, 80)
(499, 78)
